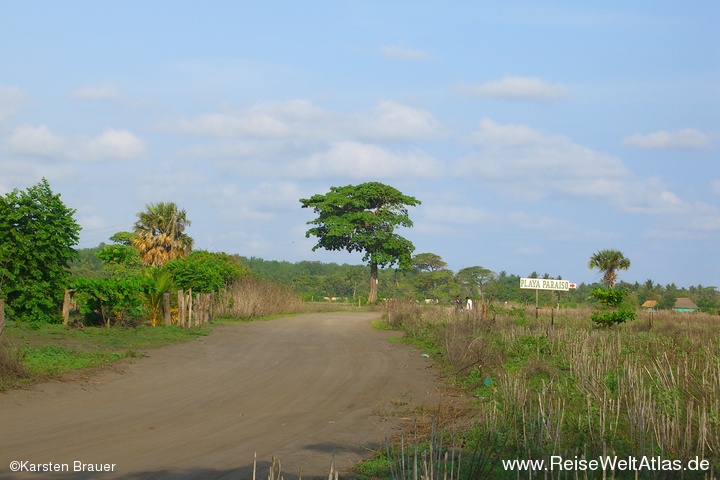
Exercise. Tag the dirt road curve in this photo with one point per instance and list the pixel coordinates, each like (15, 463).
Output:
(301, 388)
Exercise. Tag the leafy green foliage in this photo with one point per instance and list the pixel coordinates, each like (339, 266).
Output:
(110, 298)
(37, 233)
(614, 300)
(205, 271)
(609, 298)
(119, 254)
(608, 319)
(363, 218)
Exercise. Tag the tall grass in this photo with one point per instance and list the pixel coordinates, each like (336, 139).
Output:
(252, 297)
(557, 386)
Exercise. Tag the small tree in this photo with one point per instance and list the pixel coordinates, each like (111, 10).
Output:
(37, 233)
(363, 218)
(609, 262)
(614, 301)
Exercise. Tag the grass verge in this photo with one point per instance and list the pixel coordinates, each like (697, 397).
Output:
(28, 355)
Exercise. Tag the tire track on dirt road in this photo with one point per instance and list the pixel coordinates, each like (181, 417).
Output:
(303, 389)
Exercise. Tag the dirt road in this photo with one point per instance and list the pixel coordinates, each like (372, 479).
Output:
(301, 388)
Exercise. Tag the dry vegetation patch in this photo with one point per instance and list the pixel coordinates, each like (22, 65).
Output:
(554, 385)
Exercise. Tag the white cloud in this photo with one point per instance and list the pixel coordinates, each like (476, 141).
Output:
(524, 163)
(460, 214)
(495, 220)
(688, 220)
(715, 186)
(300, 119)
(403, 53)
(35, 141)
(650, 196)
(20, 172)
(492, 134)
(688, 138)
(11, 99)
(248, 149)
(276, 195)
(110, 145)
(224, 125)
(96, 93)
(392, 121)
(517, 88)
(365, 161)
(290, 119)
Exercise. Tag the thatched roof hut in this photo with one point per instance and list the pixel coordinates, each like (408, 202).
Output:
(684, 304)
(649, 305)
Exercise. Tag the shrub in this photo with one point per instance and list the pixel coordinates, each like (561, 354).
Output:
(615, 300)
(205, 272)
(11, 365)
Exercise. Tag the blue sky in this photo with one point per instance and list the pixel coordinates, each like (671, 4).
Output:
(534, 133)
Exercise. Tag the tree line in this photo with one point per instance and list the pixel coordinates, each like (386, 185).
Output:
(40, 270)
(318, 281)
(124, 279)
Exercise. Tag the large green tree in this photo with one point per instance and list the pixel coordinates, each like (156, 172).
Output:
(609, 262)
(37, 235)
(475, 277)
(363, 218)
(431, 275)
(160, 234)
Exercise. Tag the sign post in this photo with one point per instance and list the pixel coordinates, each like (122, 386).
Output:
(551, 284)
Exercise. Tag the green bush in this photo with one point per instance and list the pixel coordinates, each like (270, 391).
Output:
(205, 272)
(109, 298)
(615, 300)
(37, 232)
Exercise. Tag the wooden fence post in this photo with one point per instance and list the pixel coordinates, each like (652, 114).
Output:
(190, 307)
(197, 309)
(66, 307)
(202, 307)
(181, 308)
(166, 309)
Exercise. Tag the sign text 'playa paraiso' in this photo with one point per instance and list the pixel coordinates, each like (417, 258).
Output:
(546, 284)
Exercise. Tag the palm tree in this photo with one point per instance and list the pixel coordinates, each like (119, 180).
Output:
(157, 283)
(608, 262)
(159, 234)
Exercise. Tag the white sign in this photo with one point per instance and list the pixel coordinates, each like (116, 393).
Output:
(546, 284)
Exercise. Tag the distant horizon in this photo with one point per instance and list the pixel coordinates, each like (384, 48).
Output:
(534, 134)
(455, 271)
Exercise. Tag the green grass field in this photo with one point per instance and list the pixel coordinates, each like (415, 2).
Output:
(32, 354)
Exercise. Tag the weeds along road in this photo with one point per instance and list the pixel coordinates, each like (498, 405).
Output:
(302, 389)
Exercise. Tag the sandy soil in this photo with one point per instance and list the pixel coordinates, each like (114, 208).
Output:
(303, 389)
